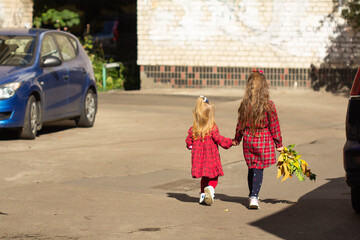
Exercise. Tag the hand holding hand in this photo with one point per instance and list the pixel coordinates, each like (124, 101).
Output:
(234, 143)
(280, 149)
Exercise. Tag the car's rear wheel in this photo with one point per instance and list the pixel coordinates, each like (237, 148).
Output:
(355, 198)
(29, 129)
(88, 112)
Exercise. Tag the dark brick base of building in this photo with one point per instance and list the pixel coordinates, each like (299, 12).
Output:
(222, 77)
(198, 77)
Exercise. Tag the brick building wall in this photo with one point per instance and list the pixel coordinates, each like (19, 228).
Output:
(16, 13)
(216, 43)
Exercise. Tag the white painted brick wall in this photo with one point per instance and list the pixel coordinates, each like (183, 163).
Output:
(16, 13)
(244, 33)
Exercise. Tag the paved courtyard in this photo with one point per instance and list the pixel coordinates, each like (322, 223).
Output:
(128, 177)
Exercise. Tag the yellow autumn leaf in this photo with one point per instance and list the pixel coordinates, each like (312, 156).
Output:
(297, 165)
(286, 168)
(286, 176)
(303, 162)
(279, 173)
(303, 168)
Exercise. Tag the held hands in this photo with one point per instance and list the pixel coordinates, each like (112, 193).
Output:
(234, 143)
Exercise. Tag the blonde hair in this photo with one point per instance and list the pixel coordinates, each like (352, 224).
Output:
(203, 117)
(255, 103)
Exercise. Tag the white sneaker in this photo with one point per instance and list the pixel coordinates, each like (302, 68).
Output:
(254, 203)
(209, 195)
(202, 198)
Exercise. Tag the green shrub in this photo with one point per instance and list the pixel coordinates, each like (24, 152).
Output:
(57, 19)
(114, 76)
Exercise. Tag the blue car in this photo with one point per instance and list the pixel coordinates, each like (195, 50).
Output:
(45, 75)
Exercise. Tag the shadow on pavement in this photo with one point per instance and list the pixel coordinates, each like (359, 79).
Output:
(12, 134)
(7, 135)
(223, 197)
(57, 127)
(245, 200)
(183, 197)
(324, 213)
(242, 200)
(276, 201)
(226, 198)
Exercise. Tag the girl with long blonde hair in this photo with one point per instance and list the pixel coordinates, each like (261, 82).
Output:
(203, 140)
(259, 129)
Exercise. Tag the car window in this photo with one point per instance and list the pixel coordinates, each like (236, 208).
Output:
(16, 50)
(74, 43)
(66, 47)
(48, 47)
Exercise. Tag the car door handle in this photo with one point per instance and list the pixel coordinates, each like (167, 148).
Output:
(66, 77)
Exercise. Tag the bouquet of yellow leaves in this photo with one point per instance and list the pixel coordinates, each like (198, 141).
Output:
(289, 162)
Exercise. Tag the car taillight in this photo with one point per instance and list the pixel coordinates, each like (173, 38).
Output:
(355, 90)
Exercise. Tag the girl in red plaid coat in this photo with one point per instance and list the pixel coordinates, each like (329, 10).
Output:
(258, 126)
(203, 140)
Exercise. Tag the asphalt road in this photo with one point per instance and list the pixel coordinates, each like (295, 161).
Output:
(128, 177)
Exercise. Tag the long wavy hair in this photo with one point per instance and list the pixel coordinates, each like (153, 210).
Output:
(255, 103)
(203, 118)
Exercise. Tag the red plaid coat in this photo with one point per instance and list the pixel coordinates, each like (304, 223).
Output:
(205, 157)
(259, 148)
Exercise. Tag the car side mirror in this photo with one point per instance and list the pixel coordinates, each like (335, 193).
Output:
(51, 61)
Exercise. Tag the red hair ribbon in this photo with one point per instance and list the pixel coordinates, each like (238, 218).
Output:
(258, 70)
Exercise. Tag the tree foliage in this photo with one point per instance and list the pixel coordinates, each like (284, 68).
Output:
(351, 13)
(57, 19)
